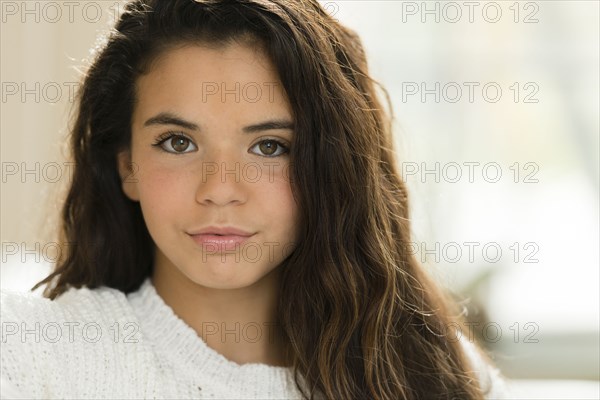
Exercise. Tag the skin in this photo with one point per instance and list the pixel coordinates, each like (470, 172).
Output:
(179, 193)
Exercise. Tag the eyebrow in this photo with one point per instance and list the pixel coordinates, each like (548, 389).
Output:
(269, 125)
(165, 118)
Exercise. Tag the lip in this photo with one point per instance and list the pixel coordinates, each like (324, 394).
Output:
(216, 240)
(223, 231)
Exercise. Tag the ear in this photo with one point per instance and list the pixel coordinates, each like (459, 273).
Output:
(127, 171)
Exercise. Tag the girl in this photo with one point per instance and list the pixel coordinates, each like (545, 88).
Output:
(236, 225)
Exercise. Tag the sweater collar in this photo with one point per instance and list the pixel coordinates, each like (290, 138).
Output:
(182, 346)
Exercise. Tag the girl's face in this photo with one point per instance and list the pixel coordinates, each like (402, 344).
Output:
(211, 131)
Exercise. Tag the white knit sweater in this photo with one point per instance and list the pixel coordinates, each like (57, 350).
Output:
(103, 344)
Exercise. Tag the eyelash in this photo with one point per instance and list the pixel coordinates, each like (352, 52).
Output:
(168, 135)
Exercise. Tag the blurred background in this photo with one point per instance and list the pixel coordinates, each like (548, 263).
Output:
(497, 134)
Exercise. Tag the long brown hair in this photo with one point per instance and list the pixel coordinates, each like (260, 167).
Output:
(361, 316)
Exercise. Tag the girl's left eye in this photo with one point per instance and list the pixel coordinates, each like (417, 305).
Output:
(177, 144)
(271, 148)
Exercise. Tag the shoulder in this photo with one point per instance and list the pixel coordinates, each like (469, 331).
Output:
(45, 340)
(83, 303)
(490, 378)
(104, 304)
(80, 314)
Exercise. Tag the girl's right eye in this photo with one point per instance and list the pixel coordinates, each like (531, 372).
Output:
(175, 143)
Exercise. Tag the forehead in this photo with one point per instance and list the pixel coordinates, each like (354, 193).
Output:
(193, 79)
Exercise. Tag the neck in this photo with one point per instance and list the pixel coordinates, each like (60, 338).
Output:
(241, 324)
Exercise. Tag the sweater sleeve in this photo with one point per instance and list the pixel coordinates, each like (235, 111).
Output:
(78, 345)
(8, 390)
(24, 352)
(490, 378)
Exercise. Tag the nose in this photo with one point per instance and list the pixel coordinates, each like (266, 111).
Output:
(221, 182)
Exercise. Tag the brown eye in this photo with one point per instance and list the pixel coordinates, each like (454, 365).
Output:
(268, 147)
(176, 144)
(271, 148)
(180, 143)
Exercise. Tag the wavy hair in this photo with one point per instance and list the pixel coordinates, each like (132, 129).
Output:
(361, 317)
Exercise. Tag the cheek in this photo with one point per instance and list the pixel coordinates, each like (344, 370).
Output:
(162, 191)
(280, 207)
(275, 205)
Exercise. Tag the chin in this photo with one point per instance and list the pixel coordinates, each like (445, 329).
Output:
(224, 275)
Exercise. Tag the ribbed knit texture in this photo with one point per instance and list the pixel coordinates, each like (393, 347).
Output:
(102, 344)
